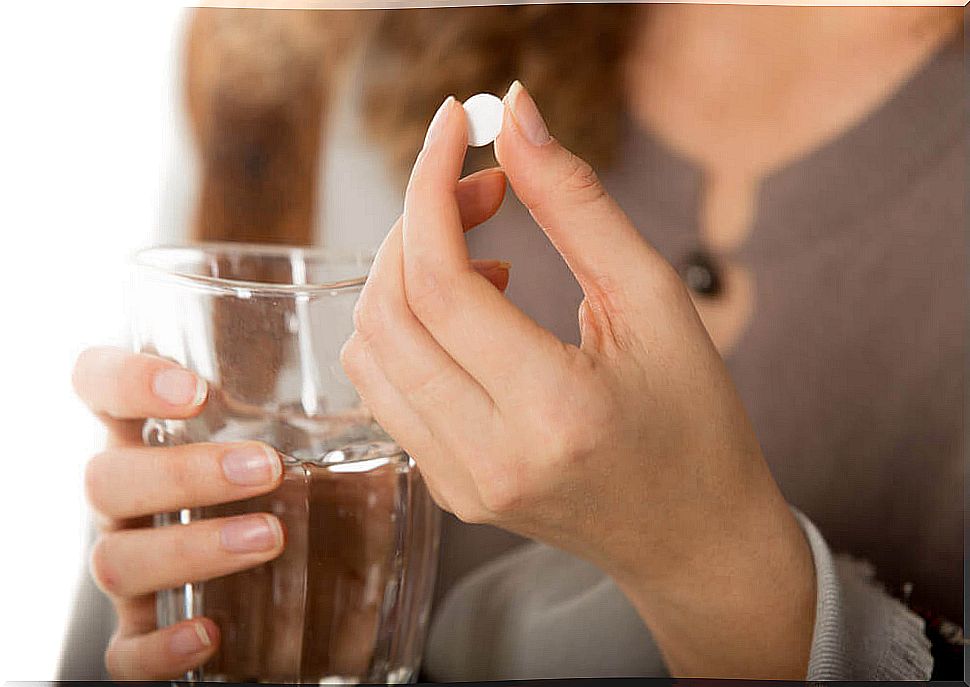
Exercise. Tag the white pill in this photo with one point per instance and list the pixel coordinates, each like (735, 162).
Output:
(484, 113)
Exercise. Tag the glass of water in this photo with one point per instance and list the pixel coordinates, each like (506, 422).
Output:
(348, 600)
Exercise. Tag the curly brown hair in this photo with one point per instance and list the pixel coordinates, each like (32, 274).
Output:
(259, 83)
(567, 55)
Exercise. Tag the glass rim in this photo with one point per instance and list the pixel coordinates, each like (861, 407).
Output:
(149, 259)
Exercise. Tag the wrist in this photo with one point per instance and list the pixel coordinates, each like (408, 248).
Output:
(741, 604)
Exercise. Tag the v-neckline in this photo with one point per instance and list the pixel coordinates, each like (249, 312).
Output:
(822, 189)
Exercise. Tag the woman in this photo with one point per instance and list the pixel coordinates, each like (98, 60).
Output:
(790, 145)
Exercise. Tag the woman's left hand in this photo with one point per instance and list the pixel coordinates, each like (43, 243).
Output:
(632, 450)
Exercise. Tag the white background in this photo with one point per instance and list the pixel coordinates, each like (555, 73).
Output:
(86, 126)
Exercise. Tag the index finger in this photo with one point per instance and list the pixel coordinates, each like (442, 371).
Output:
(479, 328)
(120, 385)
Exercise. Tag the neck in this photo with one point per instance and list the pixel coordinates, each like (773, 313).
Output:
(758, 85)
(737, 34)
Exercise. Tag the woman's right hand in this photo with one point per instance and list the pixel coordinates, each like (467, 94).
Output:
(127, 483)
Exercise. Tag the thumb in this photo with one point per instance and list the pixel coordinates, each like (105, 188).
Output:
(595, 237)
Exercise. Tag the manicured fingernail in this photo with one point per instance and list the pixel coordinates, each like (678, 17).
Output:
(251, 534)
(526, 115)
(189, 640)
(251, 465)
(179, 387)
(437, 122)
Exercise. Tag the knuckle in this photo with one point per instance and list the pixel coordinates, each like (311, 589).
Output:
(352, 357)
(470, 514)
(94, 488)
(180, 547)
(578, 438)
(431, 293)
(113, 658)
(367, 321)
(568, 430)
(460, 511)
(577, 184)
(118, 396)
(100, 566)
(428, 386)
(177, 478)
(504, 485)
(502, 494)
(581, 181)
(439, 499)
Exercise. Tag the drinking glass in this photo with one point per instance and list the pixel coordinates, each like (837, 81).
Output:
(348, 599)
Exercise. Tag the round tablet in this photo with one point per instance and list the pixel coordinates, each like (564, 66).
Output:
(484, 112)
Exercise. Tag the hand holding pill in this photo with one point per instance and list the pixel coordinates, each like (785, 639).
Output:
(631, 444)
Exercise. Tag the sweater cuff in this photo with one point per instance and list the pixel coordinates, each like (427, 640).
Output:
(861, 632)
(826, 659)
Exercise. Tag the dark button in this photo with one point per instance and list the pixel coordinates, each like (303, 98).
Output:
(701, 274)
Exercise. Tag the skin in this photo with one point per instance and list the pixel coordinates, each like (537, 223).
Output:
(713, 560)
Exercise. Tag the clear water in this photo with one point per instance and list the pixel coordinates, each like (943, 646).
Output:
(348, 600)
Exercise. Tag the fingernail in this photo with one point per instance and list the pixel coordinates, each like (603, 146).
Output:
(496, 271)
(526, 115)
(251, 534)
(437, 122)
(189, 640)
(179, 387)
(251, 465)
(493, 264)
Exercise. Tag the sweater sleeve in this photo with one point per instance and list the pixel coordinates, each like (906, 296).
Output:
(538, 612)
(861, 632)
